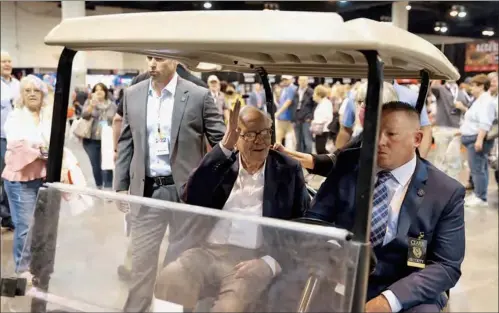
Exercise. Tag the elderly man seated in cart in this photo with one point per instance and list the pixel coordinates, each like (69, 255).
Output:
(237, 259)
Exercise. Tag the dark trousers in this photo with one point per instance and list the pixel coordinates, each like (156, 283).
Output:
(103, 178)
(4, 202)
(148, 231)
(320, 143)
(304, 139)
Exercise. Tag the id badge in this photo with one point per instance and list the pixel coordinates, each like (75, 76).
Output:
(162, 146)
(416, 256)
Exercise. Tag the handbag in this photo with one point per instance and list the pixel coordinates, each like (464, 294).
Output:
(317, 128)
(107, 151)
(492, 133)
(83, 128)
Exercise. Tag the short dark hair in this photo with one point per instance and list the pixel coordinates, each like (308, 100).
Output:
(400, 106)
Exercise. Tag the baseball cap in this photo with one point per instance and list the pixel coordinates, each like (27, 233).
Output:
(289, 77)
(213, 78)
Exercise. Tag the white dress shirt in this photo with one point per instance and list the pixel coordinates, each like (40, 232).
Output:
(245, 198)
(324, 113)
(159, 114)
(301, 93)
(397, 189)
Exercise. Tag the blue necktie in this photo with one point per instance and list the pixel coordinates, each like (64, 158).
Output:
(381, 205)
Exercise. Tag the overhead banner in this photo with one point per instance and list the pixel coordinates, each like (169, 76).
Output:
(482, 56)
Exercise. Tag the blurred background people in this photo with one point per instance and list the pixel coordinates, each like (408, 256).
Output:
(9, 95)
(477, 122)
(323, 116)
(304, 106)
(217, 95)
(100, 110)
(257, 97)
(27, 131)
(284, 113)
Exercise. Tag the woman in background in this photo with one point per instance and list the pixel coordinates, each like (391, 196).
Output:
(323, 116)
(477, 121)
(28, 135)
(101, 110)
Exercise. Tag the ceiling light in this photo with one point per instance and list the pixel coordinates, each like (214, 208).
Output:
(207, 5)
(203, 66)
(488, 32)
(458, 10)
(343, 1)
(441, 27)
(408, 7)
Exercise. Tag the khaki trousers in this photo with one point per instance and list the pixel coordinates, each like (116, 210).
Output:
(209, 271)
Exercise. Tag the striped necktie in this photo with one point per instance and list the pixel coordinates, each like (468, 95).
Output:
(381, 205)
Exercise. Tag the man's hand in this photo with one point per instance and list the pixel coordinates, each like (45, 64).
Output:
(123, 206)
(253, 268)
(378, 304)
(460, 106)
(232, 134)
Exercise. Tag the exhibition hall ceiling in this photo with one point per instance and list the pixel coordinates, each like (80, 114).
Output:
(461, 18)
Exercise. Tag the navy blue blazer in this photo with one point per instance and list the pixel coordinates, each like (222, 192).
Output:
(433, 205)
(284, 196)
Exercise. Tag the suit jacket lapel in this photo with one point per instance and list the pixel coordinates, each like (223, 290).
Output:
(273, 178)
(413, 199)
(140, 97)
(180, 102)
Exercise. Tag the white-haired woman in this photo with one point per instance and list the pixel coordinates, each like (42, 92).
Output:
(27, 132)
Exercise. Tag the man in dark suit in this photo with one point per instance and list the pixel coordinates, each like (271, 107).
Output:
(417, 228)
(303, 107)
(237, 256)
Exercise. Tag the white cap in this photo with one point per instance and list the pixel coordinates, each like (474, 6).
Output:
(213, 78)
(288, 77)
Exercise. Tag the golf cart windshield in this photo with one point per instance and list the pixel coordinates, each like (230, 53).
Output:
(358, 49)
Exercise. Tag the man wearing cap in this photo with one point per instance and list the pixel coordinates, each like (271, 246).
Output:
(284, 114)
(217, 95)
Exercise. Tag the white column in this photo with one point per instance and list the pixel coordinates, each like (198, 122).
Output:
(71, 9)
(400, 15)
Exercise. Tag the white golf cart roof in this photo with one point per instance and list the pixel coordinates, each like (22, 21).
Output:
(293, 43)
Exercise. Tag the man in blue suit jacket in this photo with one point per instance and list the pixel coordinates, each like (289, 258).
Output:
(415, 205)
(240, 258)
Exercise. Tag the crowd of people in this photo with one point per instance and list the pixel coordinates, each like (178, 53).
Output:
(179, 139)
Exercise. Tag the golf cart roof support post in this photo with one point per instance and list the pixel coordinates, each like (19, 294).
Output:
(365, 178)
(423, 90)
(269, 97)
(46, 217)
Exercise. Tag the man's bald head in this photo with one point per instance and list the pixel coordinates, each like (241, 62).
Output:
(251, 115)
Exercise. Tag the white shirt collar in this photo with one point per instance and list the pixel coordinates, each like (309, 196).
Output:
(403, 173)
(259, 174)
(171, 86)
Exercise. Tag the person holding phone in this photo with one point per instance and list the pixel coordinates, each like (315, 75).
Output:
(101, 110)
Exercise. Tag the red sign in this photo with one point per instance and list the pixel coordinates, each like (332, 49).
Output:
(482, 56)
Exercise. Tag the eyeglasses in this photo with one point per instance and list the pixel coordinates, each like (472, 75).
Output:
(263, 134)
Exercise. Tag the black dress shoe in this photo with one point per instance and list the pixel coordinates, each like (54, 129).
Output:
(123, 273)
(7, 223)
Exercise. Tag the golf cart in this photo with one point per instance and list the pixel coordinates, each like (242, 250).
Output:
(75, 254)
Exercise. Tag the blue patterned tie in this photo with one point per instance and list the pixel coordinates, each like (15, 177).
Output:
(381, 205)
